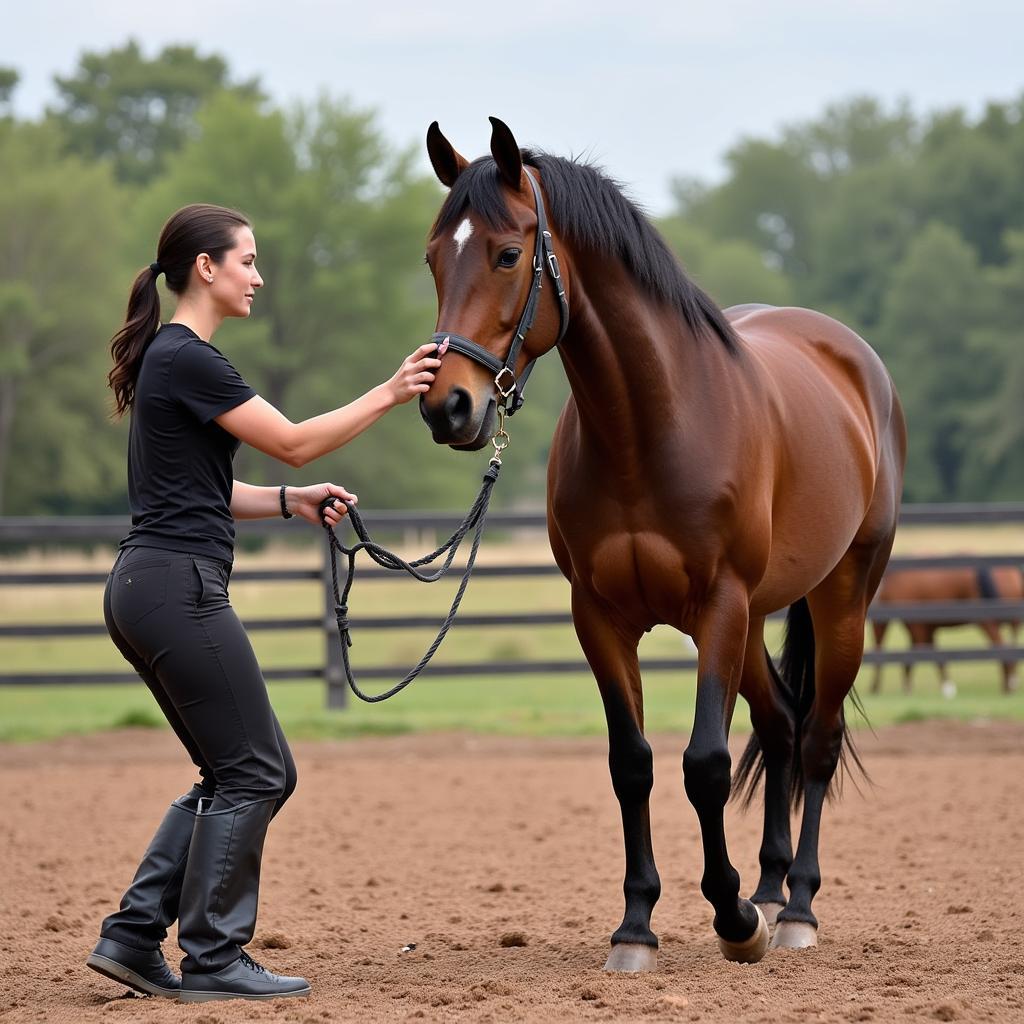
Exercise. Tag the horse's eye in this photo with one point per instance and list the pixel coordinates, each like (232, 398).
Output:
(509, 258)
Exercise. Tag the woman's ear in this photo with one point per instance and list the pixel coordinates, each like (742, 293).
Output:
(204, 267)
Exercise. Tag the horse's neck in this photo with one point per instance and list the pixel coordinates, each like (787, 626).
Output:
(634, 367)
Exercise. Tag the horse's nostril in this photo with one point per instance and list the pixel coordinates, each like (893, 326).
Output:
(457, 408)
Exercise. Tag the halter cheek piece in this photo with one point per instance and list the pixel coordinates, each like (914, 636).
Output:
(510, 390)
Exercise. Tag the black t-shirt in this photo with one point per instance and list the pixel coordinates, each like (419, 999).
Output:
(179, 459)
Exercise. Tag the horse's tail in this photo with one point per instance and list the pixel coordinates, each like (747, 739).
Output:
(795, 683)
(987, 589)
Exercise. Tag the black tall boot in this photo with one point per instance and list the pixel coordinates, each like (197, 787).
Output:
(129, 947)
(220, 894)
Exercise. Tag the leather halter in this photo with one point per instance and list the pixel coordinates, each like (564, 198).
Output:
(510, 390)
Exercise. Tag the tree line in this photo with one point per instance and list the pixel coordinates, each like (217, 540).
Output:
(909, 229)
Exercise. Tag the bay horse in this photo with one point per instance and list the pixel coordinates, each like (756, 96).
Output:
(708, 469)
(917, 586)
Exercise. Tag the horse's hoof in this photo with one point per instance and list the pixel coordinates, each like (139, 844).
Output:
(948, 689)
(771, 912)
(794, 935)
(632, 958)
(750, 950)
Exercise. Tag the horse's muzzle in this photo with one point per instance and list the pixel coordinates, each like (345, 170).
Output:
(458, 421)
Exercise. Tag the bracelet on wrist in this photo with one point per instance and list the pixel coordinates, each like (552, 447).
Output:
(284, 504)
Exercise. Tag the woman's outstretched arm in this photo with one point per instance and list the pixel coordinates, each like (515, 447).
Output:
(261, 425)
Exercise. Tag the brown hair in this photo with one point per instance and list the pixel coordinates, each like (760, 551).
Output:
(192, 230)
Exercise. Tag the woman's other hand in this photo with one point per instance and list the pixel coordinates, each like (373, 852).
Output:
(305, 502)
(416, 373)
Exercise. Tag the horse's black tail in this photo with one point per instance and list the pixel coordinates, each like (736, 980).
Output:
(987, 584)
(796, 685)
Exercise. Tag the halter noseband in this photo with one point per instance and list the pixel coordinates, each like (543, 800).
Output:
(510, 390)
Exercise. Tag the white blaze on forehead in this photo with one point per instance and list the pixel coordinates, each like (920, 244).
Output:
(461, 236)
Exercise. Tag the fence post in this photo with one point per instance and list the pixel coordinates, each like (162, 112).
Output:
(334, 669)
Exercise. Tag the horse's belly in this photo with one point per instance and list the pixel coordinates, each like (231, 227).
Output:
(821, 499)
(791, 575)
(805, 549)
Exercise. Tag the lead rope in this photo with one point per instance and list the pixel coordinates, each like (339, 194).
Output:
(474, 519)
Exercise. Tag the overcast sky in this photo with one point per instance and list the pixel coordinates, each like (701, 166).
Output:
(649, 90)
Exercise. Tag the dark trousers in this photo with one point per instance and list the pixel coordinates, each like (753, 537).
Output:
(169, 615)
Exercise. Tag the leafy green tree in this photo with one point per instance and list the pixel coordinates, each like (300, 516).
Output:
(999, 420)
(61, 230)
(122, 106)
(862, 233)
(971, 180)
(934, 302)
(9, 79)
(855, 133)
(769, 200)
(731, 272)
(778, 191)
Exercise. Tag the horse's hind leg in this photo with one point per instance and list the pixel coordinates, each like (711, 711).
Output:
(772, 742)
(922, 637)
(878, 627)
(610, 649)
(995, 638)
(837, 609)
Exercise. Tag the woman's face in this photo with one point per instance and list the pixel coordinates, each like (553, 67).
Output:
(236, 278)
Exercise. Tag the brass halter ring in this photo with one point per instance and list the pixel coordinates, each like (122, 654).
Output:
(500, 440)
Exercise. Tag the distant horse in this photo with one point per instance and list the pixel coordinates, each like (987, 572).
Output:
(708, 469)
(906, 586)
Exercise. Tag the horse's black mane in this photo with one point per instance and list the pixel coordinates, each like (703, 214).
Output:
(589, 210)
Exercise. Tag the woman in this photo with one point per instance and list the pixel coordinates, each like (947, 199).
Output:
(166, 603)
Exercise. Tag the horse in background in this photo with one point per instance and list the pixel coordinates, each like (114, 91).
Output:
(918, 586)
(708, 469)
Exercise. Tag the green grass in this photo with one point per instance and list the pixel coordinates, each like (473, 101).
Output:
(523, 705)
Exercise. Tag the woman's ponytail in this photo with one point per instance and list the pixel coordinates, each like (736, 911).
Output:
(190, 231)
(127, 346)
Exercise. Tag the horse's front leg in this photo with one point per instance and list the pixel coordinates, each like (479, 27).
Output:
(610, 647)
(721, 643)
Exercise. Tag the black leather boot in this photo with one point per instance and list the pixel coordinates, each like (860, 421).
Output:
(129, 947)
(220, 894)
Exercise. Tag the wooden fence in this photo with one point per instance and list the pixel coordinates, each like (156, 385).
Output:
(19, 533)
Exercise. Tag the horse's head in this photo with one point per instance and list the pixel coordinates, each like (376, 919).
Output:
(484, 253)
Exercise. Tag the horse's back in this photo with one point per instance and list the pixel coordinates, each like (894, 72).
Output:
(782, 334)
(929, 584)
(822, 376)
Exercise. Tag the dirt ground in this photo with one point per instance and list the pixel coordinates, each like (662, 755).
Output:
(501, 859)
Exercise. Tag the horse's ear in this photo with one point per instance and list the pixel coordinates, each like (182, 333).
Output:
(447, 163)
(505, 151)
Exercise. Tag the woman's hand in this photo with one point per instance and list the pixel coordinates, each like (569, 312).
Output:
(305, 502)
(416, 373)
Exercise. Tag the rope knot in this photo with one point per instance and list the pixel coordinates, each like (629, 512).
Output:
(341, 615)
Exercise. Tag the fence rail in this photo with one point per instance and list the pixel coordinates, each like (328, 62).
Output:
(59, 531)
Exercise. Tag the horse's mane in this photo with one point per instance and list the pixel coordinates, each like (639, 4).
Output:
(590, 212)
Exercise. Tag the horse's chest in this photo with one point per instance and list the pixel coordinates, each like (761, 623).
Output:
(642, 574)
